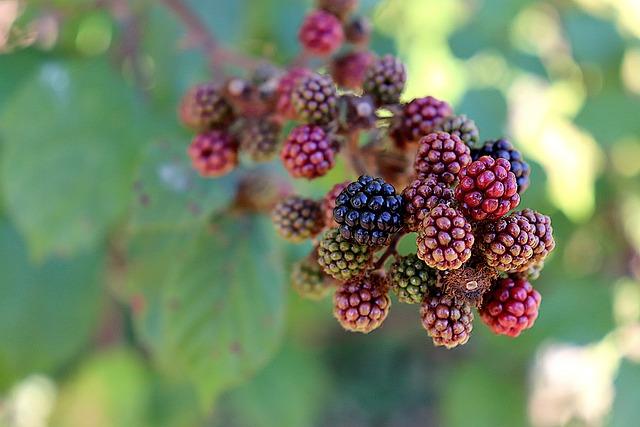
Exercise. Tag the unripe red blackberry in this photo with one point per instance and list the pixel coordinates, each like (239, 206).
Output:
(204, 107)
(445, 239)
(442, 155)
(544, 231)
(461, 126)
(385, 80)
(362, 305)
(410, 278)
(358, 30)
(487, 189)
(297, 219)
(260, 190)
(501, 148)
(213, 153)
(419, 118)
(321, 33)
(308, 280)
(422, 195)
(511, 307)
(448, 321)
(468, 283)
(308, 152)
(329, 203)
(348, 70)
(369, 211)
(315, 99)
(341, 259)
(286, 85)
(339, 8)
(259, 139)
(247, 99)
(508, 243)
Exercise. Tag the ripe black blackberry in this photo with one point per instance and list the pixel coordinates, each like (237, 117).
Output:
(410, 278)
(341, 259)
(501, 148)
(308, 280)
(461, 126)
(442, 155)
(297, 219)
(385, 80)
(448, 321)
(259, 139)
(422, 195)
(362, 305)
(445, 239)
(369, 211)
(315, 100)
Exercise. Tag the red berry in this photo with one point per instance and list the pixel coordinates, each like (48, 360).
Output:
(544, 232)
(362, 305)
(511, 307)
(448, 321)
(422, 195)
(445, 239)
(442, 155)
(348, 70)
(286, 85)
(385, 79)
(315, 99)
(420, 118)
(213, 153)
(487, 189)
(308, 152)
(321, 33)
(203, 107)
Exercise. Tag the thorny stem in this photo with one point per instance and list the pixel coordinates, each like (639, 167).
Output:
(391, 250)
(354, 154)
(199, 34)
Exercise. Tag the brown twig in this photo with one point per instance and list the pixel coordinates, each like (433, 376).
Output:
(354, 155)
(199, 34)
(391, 250)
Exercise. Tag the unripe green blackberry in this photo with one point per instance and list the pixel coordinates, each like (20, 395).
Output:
(315, 99)
(385, 80)
(410, 278)
(341, 259)
(259, 139)
(461, 126)
(297, 219)
(203, 107)
(448, 321)
(308, 280)
(362, 305)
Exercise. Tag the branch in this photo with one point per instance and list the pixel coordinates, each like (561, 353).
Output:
(199, 33)
(354, 155)
(391, 250)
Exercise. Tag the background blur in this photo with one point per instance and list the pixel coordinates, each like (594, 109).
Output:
(122, 304)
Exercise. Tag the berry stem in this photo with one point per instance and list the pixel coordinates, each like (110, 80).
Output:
(198, 33)
(354, 154)
(391, 250)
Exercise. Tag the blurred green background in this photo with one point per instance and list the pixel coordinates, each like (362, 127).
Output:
(123, 303)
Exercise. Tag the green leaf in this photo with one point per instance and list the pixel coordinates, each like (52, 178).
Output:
(71, 136)
(212, 300)
(290, 392)
(16, 68)
(626, 411)
(170, 194)
(47, 311)
(489, 110)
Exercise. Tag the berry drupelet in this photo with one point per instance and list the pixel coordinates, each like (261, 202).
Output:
(286, 85)
(410, 278)
(259, 139)
(308, 152)
(362, 305)
(448, 321)
(321, 33)
(348, 70)
(511, 307)
(204, 107)
(369, 211)
(308, 280)
(315, 99)
(213, 153)
(463, 127)
(297, 219)
(487, 189)
(341, 259)
(422, 195)
(442, 155)
(385, 80)
(419, 118)
(503, 149)
(329, 203)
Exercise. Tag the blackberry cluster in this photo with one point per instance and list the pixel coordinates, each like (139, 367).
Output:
(455, 199)
(369, 211)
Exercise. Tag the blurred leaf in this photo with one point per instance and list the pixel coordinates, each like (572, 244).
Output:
(626, 412)
(110, 390)
(169, 193)
(288, 393)
(16, 68)
(475, 395)
(488, 109)
(47, 311)
(610, 115)
(593, 39)
(212, 300)
(71, 140)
